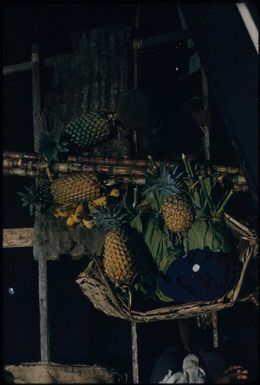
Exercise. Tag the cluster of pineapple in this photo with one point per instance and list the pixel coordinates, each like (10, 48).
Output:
(177, 213)
(80, 198)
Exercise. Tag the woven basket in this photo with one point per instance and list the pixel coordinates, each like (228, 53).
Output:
(101, 293)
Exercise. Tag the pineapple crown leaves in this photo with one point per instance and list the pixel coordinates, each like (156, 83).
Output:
(112, 216)
(164, 180)
(37, 197)
(51, 145)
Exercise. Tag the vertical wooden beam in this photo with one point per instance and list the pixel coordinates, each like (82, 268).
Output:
(135, 59)
(205, 90)
(36, 96)
(42, 264)
(134, 353)
(215, 329)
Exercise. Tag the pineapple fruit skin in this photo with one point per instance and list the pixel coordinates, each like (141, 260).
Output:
(76, 188)
(178, 213)
(118, 258)
(88, 130)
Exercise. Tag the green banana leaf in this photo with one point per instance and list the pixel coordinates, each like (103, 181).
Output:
(137, 224)
(162, 297)
(155, 200)
(156, 239)
(174, 252)
(207, 233)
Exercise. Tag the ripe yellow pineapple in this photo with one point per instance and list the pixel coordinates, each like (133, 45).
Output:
(76, 188)
(177, 213)
(119, 263)
(176, 207)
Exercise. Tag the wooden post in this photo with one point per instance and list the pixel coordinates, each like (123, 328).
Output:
(134, 353)
(36, 96)
(215, 329)
(42, 264)
(135, 59)
(205, 90)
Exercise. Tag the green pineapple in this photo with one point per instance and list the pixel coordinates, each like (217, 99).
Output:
(38, 197)
(119, 263)
(90, 128)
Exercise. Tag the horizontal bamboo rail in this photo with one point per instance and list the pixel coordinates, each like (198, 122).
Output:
(125, 170)
(143, 163)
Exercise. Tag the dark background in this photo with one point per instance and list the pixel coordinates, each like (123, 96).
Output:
(78, 332)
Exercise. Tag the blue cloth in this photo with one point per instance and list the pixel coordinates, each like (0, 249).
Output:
(201, 275)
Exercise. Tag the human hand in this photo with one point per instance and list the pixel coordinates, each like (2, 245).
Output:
(235, 372)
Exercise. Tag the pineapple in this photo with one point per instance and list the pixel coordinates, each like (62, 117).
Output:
(119, 263)
(76, 188)
(176, 208)
(90, 128)
(37, 197)
(177, 213)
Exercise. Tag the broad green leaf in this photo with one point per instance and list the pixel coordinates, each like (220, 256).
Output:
(136, 223)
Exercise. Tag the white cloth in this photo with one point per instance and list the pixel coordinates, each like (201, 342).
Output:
(191, 374)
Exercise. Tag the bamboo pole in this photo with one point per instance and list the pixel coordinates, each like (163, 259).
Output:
(127, 170)
(11, 159)
(42, 264)
(29, 161)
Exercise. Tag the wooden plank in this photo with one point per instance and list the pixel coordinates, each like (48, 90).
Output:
(42, 263)
(20, 237)
(134, 353)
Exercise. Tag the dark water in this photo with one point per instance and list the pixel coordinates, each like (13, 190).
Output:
(78, 332)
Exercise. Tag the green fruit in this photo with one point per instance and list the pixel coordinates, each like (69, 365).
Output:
(90, 128)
